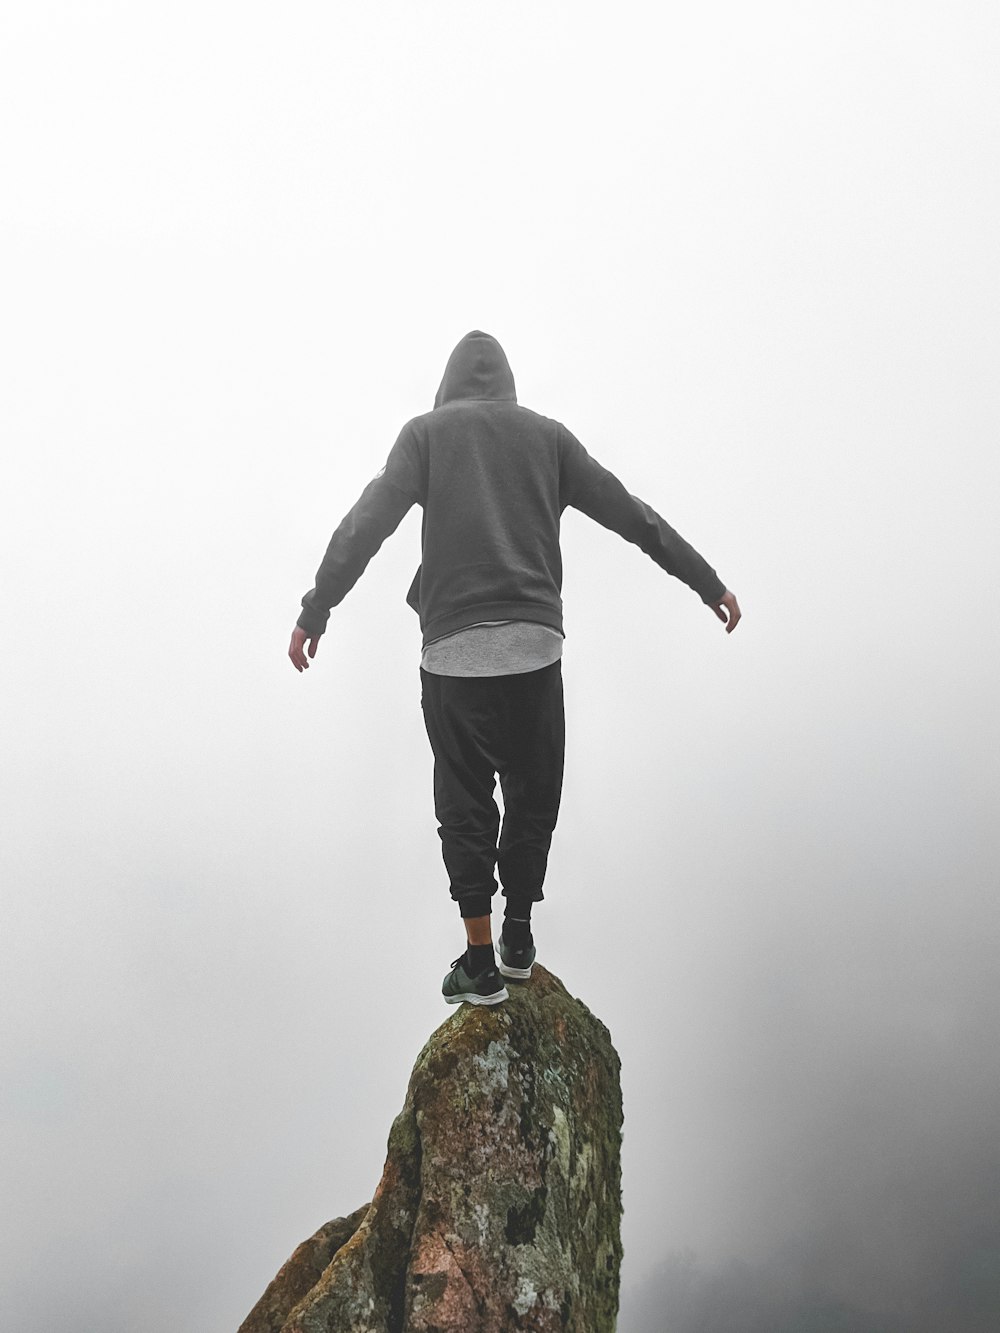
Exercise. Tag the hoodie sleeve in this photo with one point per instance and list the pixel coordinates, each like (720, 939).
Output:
(598, 493)
(377, 514)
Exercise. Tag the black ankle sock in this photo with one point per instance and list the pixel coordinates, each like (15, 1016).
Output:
(520, 908)
(516, 932)
(478, 957)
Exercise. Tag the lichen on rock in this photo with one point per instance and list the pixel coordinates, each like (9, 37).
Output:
(499, 1207)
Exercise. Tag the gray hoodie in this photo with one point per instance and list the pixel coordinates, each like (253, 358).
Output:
(493, 479)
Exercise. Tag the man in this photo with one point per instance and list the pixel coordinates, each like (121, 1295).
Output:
(493, 479)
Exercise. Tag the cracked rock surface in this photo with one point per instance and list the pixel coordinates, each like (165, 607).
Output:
(499, 1207)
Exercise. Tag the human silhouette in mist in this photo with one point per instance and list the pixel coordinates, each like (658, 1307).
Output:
(493, 479)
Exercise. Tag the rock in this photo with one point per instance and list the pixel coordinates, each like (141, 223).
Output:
(499, 1208)
(299, 1275)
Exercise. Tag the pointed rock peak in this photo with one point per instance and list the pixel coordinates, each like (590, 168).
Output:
(499, 1206)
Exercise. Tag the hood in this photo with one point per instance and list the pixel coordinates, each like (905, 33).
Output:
(477, 368)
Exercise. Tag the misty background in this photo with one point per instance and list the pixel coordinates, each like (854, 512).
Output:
(749, 255)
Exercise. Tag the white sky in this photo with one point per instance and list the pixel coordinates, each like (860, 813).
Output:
(748, 254)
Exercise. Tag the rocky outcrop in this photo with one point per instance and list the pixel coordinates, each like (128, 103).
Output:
(499, 1206)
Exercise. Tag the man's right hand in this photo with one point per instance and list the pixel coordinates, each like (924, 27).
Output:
(727, 608)
(295, 649)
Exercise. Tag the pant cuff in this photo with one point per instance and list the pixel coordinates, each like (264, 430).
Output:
(477, 904)
(523, 896)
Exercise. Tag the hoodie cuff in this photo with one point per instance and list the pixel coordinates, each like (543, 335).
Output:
(713, 598)
(313, 622)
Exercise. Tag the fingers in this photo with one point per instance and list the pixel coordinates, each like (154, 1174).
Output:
(295, 650)
(727, 608)
(299, 640)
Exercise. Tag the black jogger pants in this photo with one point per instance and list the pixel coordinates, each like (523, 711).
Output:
(481, 728)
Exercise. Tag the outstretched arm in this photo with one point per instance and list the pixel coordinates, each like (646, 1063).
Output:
(598, 493)
(377, 514)
(727, 608)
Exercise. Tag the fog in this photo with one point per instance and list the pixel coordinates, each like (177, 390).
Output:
(748, 255)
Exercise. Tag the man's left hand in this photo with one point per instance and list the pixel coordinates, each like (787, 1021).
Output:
(727, 608)
(295, 649)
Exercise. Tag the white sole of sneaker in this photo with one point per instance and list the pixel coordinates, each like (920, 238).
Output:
(498, 998)
(515, 973)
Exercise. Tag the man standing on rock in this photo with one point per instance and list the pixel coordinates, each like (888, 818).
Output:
(493, 479)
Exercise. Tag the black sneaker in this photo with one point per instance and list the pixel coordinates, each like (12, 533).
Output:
(486, 988)
(516, 961)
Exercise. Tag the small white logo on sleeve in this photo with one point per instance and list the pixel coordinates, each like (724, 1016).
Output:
(379, 473)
